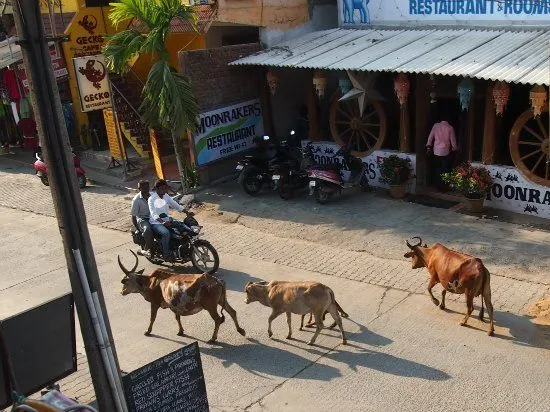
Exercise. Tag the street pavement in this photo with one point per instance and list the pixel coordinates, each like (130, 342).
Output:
(404, 353)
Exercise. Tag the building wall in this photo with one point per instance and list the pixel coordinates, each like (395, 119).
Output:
(281, 14)
(227, 35)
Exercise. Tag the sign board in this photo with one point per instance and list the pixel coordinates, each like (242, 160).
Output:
(513, 192)
(58, 65)
(324, 152)
(441, 12)
(86, 33)
(226, 131)
(172, 383)
(93, 82)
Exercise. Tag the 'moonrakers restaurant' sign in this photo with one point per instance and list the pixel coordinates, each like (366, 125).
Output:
(228, 130)
(456, 12)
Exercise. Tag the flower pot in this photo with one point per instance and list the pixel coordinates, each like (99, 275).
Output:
(475, 205)
(397, 191)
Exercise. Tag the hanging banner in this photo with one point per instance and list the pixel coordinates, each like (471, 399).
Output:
(58, 65)
(455, 12)
(226, 131)
(93, 82)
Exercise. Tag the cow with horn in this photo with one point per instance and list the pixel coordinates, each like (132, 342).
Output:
(184, 295)
(457, 272)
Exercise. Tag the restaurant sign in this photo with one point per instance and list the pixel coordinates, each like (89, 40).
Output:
(323, 153)
(93, 82)
(456, 12)
(228, 130)
(513, 192)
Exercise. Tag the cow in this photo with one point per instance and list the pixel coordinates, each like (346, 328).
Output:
(184, 295)
(300, 297)
(310, 323)
(458, 273)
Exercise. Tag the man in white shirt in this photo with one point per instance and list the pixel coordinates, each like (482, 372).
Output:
(141, 214)
(160, 204)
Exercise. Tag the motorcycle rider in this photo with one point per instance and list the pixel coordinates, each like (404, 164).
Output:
(141, 215)
(159, 205)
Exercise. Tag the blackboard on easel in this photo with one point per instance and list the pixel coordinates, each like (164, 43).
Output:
(172, 383)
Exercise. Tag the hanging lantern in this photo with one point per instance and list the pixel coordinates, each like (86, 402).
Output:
(320, 83)
(501, 94)
(345, 84)
(401, 86)
(272, 81)
(537, 95)
(465, 91)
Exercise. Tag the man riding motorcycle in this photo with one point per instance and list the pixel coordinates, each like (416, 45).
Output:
(159, 206)
(141, 215)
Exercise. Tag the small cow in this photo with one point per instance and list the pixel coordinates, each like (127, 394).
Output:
(310, 322)
(295, 297)
(458, 273)
(184, 295)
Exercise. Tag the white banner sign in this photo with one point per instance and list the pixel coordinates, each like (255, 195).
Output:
(93, 82)
(511, 191)
(324, 152)
(226, 131)
(461, 12)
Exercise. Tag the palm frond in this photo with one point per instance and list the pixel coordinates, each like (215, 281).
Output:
(144, 10)
(169, 101)
(121, 47)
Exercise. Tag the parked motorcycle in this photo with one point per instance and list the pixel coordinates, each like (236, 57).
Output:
(292, 174)
(185, 245)
(327, 180)
(40, 169)
(256, 169)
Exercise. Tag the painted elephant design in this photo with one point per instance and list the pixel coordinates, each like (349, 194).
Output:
(351, 5)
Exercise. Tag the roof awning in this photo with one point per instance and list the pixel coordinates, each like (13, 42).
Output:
(515, 57)
(10, 52)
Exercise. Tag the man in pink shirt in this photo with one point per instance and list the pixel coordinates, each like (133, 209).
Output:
(441, 142)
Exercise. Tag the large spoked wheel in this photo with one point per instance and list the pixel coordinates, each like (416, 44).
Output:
(363, 133)
(204, 257)
(530, 147)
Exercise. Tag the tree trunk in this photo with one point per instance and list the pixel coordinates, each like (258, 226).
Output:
(181, 169)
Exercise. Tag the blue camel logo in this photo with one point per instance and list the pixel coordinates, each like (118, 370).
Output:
(349, 8)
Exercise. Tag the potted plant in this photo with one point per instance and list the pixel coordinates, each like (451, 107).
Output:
(472, 181)
(395, 171)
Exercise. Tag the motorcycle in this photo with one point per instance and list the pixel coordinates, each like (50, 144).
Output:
(40, 169)
(327, 180)
(185, 245)
(256, 169)
(291, 175)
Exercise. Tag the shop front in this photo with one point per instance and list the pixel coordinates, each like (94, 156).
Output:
(380, 81)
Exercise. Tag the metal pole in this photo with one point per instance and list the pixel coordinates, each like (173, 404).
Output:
(117, 128)
(65, 192)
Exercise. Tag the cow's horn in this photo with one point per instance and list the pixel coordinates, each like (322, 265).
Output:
(126, 271)
(137, 261)
(413, 246)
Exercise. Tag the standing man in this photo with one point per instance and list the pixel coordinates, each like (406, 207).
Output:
(441, 142)
(159, 205)
(141, 215)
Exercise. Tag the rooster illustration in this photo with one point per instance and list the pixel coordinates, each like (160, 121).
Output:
(93, 75)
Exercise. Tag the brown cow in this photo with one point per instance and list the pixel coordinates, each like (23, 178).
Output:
(458, 273)
(185, 295)
(295, 297)
(310, 323)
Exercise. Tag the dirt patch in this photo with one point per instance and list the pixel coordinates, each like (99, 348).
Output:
(541, 311)
(211, 212)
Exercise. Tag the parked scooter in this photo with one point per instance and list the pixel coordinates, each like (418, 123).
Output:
(292, 174)
(40, 169)
(327, 180)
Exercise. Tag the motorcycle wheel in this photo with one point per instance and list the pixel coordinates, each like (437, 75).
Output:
(250, 182)
(285, 192)
(321, 196)
(44, 180)
(81, 181)
(364, 184)
(204, 257)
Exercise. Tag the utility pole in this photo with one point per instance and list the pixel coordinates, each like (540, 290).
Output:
(82, 268)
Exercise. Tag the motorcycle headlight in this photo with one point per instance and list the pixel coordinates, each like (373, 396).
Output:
(196, 229)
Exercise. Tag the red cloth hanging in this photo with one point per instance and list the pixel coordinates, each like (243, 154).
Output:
(10, 82)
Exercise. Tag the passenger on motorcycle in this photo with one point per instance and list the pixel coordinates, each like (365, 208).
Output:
(159, 204)
(141, 215)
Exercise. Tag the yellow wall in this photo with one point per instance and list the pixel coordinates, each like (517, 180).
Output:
(175, 42)
(272, 14)
(68, 6)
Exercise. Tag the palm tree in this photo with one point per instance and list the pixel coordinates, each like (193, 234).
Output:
(168, 100)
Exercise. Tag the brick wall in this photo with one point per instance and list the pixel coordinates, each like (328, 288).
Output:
(214, 82)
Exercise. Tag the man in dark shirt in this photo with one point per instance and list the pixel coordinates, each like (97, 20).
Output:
(141, 214)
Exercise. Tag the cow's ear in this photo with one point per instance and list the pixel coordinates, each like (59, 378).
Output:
(409, 254)
(140, 272)
(247, 285)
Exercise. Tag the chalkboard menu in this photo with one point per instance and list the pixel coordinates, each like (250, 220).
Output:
(172, 383)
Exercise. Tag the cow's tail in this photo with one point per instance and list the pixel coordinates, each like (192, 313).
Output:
(224, 296)
(484, 279)
(342, 313)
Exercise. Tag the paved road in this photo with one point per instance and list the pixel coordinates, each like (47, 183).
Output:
(404, 353)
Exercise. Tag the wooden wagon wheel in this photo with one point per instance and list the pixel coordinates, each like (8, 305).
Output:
(364, 133)
(530, 146)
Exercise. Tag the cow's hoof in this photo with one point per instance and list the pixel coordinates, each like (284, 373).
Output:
(435, 302)
(241, 331)
(270, 334)
(147, 333)
(462, 323)
(289, 337)
(491, 333)
(180, 333)
(442, 307)
(211, 341)
(301, 328)
(310, 343)
(345, 342)
(344, 315)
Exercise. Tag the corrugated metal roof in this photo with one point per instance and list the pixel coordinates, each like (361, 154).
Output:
(516, 57)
